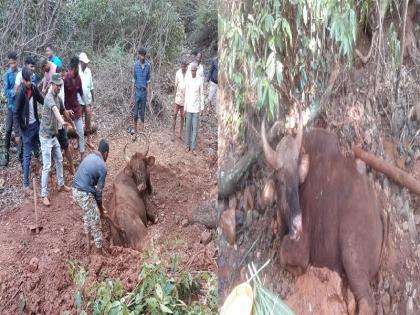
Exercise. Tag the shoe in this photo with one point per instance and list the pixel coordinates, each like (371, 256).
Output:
(46, 201)
(64, 188)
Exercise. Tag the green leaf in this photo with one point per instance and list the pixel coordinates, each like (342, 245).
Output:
(78, 300)
(166, 309)
(270, 67)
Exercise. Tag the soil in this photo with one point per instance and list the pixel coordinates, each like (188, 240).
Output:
(33, 271)
(382, 127)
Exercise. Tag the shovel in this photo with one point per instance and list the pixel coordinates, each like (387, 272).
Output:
(35, 228)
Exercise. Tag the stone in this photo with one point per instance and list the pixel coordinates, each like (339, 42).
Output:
(386, 284)
(405, 226)
(33, 264)
(417, 219)
(184, 222)
(205, 237)
(386, 303)
(232, 202)
(227, 224)
(248, 199)
(409, 309)
(56, 250)
(361, 166)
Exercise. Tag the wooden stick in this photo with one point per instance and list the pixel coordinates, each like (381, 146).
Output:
(36, 211)
(397, 175)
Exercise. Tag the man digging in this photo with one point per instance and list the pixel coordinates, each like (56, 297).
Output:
(88, 185)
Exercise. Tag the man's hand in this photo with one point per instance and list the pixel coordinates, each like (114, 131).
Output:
(17, 140)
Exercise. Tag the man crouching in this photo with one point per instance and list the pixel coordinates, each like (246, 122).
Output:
(88, 185)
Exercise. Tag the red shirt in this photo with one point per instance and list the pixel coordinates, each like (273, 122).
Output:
(71, 88)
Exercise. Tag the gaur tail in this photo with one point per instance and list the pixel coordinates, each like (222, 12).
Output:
(117, 227)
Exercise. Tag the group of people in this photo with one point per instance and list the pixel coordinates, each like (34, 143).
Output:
(66, 100)
(66, 94)
(189, 95)
(189, 98)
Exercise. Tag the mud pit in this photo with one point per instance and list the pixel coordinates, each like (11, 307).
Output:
(381, 127)
(33, 267)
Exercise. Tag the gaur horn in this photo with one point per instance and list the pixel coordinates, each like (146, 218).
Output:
(269, 153)
(299, 135)
(147, 142)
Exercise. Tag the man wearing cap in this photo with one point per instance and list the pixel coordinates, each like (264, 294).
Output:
(51, 122)
(179, 97)
(194, 104)
(26, 120)
(87, 86)
(141, 80)
(49, 69)
(88, 185)
(9, 84)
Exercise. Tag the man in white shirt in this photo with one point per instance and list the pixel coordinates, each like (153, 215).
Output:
(194, 104)
(87, 86)
(200, 69)
(180, 77)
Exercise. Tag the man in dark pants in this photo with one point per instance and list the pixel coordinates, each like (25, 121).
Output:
(88, 185)
(141, 80)
(9, 85)
(26, 120)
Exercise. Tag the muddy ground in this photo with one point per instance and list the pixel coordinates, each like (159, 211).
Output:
(33, 268)
(380, 126)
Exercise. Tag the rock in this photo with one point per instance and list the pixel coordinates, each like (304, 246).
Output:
(184, 222)
(62, 230)
(56, 250)
(227, 224)
(405, 226)
(386, 284)
(394, 286)
(409, 309)
(405, 210)
(386, 303)
(205, 237)
(248, 199)
(232, 202)
(361, 166)
(417, 219)
(33, 264)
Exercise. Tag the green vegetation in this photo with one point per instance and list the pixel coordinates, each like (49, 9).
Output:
(162, 289)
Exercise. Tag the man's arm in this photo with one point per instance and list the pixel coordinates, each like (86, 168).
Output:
(37, 95)
(20, 98)
(91, 88)
(202, 95)
(8, 88)
(100, 187)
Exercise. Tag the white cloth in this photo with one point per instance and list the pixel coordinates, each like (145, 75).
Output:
(194, 94)
(32, 118)
(180, 87)
(87, 85)
(200, 70)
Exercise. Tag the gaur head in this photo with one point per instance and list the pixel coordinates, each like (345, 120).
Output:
(291, 168)
(138, 167)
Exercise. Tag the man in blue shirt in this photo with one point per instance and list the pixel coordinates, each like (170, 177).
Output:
(9, 91)
(88, 185)
(52, 56)
(141, 80)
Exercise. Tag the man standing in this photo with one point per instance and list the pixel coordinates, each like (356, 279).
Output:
(88, 185)
(50, 122)
(72, 87)
(49, 69)
(30, 63)
(194, 103)
(212, 78)
(87, 85)
(52, 56)
(26, 121)
(179, 97)
(197, 60)
(141, 80)
(9, 85)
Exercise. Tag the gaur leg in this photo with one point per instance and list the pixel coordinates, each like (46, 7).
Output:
(294, 255)
(358, 279)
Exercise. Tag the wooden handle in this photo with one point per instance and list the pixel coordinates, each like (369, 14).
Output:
(397, 175)
(36, 211)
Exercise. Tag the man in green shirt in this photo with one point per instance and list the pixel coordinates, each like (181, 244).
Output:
(51, 122)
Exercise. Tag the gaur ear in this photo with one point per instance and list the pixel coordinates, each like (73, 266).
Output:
(303, 168)
(150, 161)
